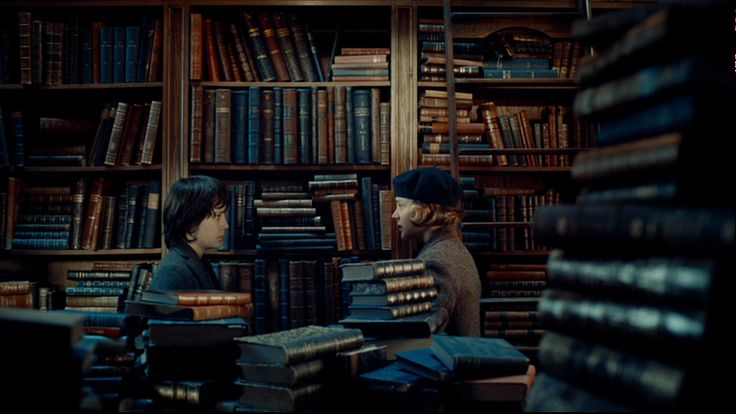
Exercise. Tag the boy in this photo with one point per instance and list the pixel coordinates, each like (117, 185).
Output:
(195, 220)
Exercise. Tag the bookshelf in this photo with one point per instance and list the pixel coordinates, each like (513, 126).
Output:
(82, 121)
(389, 24)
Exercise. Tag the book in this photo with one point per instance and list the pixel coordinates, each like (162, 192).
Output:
(664, 229)
(551, 394)
(504, 388)
(196, 298)
(391, 378)
(265, 397)
(645, 383)
(423, 363)
(383, 269)
(361, 360)
(187, 313)
(290, 375)
(422, 325)
(676, 280)
(392, 299)
(186, 333)
(298, 345)
(470, 357)
(389, 312)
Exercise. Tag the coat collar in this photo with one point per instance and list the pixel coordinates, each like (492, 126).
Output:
(203, 272)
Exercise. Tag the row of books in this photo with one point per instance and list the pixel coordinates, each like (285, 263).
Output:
(82, 216)
(332, 214)
(257, 47)
(127, 134)
(334, 125)
(513, 53)
(74, 51)
(486, 206)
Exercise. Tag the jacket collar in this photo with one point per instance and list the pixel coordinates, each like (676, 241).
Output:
(198, 266)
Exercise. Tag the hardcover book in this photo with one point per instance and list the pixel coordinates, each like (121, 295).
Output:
(470, 357)
(298, 345)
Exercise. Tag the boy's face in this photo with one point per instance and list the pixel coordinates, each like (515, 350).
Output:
(211, 231)
(404, 210)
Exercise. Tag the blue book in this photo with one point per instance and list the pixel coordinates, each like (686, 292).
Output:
(423, 363)
(392, 378)
(362, 119)
(86, 55)
(664, 117)
(118, 54)
(240, 126)
(521, 73)
(471, 357)
(521, 63)
(260, 298)
(304, 112)
(284, 300)
(106, 60)
(254, 125)
(132, 40)
(366, 196)
(349, 125)
(278, 127)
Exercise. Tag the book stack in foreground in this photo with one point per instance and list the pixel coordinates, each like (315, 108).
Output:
(391, 302)
(637, 304)
(287, 371)
(455, 373)
(188, 353)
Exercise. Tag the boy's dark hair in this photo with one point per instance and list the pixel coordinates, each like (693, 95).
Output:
(191, 200)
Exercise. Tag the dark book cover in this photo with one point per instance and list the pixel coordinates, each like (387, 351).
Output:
(423, 363)
(415, 326)
(274, 398)
(553, 394)
(298, 345)
(470, 357)
(291, 375)
(199, 333)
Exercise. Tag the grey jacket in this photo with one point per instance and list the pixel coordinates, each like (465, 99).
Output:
(182, 269)
(457, 280)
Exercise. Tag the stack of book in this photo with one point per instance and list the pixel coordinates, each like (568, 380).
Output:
(525, 53)
(288, 370)
(361, 64)
(17, 294)
(193, 326)
(468, 58)
(466, 372)
(434, 128)
(637, 306)
(391, 301)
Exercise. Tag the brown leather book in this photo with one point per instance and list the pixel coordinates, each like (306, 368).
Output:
(223, 53)
(196, 125)
(242, 54)
(274, 50)
(223, 122)
(283, 34)
(211, 57)
(195, 48)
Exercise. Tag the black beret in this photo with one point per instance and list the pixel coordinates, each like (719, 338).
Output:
(428, 185)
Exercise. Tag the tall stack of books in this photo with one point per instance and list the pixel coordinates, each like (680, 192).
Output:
(637, 302)
(188, 353)
(287, 371)
(391, 301)
(361, 64)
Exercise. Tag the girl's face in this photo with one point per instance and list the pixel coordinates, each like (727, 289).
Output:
(404, 210)
(211, 231)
